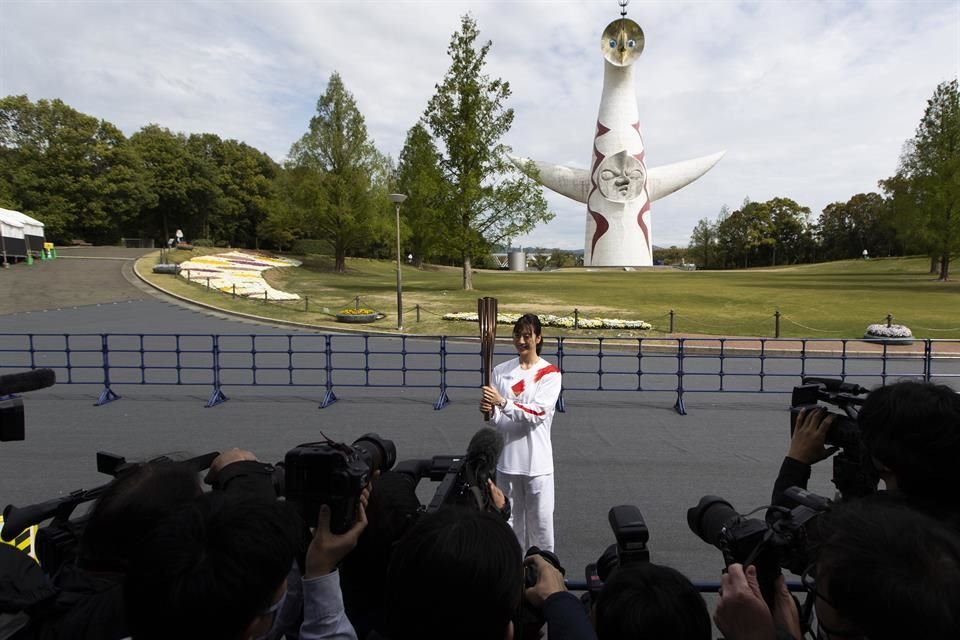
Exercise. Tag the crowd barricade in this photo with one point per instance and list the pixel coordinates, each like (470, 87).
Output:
(330, 363)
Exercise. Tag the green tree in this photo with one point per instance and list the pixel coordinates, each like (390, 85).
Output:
(166, 167)
(73, 172)
(560, 258)
(703, 243)
(930, 172)
(488, 199)
(420, 177)
(337, 150)
(788, 226)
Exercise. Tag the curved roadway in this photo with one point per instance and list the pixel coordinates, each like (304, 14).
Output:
(610, 449)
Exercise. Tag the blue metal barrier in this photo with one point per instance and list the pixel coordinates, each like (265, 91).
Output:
(679, 366)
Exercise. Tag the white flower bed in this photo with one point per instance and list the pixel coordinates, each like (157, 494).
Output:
(237, 271)
(884, 331)
(565, 322)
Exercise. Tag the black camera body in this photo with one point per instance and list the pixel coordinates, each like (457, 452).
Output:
(853, 470)
(630, 548)
(334, 474)
(785, 542)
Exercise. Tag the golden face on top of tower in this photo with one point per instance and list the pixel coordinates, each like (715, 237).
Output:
(622, 42)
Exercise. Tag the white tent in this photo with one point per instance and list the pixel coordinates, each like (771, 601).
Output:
(12, 241)
(32, 229)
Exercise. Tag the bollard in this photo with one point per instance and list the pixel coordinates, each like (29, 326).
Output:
(776, 323)
(576, 318)
(188, 276)
(208, 282)
(234, 289)
(671, 320)
(264, 296)
(889, 319)
(356, 302)
(418, 313)
(306, 303)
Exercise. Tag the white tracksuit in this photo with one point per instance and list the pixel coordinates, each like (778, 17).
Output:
(525, 468)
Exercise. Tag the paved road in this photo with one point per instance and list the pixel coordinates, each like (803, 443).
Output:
(611, 448)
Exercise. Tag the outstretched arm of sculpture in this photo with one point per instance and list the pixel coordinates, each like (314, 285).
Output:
(662, 181)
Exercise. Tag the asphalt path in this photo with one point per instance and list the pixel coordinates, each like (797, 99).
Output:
(613, 447)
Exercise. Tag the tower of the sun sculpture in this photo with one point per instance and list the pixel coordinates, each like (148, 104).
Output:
(618, 188)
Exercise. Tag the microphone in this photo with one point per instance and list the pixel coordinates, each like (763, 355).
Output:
(27, 381)
(484, 451)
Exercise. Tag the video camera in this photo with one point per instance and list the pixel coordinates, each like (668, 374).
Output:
(784, 542)
(12, 419)
(853, 471)
(334, 474)
(56, 543)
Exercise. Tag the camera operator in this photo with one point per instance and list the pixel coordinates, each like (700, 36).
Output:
(648, 600)
(912, 432)
(217, 568)
(884, 571)
(457, 574)
(88, 599)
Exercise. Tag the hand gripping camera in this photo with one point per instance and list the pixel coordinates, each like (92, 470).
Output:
(334, 474)
(785, 542)
(853, 471)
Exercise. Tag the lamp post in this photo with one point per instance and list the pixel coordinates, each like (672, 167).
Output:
(396, 199)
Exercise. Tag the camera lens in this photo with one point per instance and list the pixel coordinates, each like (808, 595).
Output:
(709, 517)
(380, 453)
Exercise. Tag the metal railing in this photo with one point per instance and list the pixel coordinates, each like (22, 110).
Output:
(331, 362)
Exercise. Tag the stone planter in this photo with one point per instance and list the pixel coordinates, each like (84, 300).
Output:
(357, 318)
(886, 340)
(888, 334)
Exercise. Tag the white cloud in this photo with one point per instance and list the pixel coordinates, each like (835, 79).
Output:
(812, 100)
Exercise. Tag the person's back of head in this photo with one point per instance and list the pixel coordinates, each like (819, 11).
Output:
(650, 601)
(889, 571)
(211, 569)
(913, 428)
(457, 573)
(128, 509)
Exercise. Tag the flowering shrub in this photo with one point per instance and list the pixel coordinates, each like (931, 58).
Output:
(884, 331)
(564, 322)
(356, 312)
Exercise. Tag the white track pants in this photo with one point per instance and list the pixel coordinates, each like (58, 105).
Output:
(531, 504)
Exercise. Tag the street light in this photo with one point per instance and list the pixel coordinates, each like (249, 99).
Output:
(396, 199)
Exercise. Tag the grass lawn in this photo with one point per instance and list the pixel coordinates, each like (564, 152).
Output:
(830, 300)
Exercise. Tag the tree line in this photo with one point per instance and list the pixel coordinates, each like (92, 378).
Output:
(917, 210)
(85, 180)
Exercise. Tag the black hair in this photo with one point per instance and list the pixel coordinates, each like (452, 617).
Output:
(651, 601)
(529, 321)
(211, 568)
(890, 571)
(128, 509)
(913, 428)
(393, 508)
(456, 574)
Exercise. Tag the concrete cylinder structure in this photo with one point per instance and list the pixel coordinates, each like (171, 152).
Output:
(517, 260)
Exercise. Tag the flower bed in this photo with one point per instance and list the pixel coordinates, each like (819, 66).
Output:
(358, 316)
(889, 334)
(237, 272)
(564, 322)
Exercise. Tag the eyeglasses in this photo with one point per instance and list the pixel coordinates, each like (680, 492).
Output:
(809, 581)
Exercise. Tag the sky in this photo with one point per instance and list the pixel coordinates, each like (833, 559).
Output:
(812, 100)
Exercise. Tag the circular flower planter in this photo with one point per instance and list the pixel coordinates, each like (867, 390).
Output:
(888, 334)
(357, 318)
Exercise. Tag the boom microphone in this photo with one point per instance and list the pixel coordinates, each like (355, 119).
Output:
(484, 451)
(27, 381)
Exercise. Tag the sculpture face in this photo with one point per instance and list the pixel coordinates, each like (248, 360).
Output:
(622, 42)
(621, 177)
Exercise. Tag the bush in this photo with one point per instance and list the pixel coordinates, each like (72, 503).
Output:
(202, 242)
(305, 246)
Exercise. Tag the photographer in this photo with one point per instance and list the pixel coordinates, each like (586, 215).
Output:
(911, 431)
(884, 571)
(456, 574)
(651, 601)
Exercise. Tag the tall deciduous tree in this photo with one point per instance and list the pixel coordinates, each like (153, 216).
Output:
(488, 199)
(343, 160)
(929, 173)
(703, 243)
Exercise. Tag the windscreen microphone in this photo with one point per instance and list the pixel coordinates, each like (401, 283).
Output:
(484, 449)
(27, 381)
